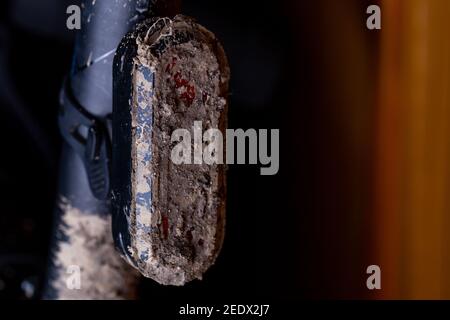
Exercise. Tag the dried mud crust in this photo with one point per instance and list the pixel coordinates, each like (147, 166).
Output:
(178, 211)
(85, 242)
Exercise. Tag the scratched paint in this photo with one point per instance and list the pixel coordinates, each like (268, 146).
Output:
(142, 123)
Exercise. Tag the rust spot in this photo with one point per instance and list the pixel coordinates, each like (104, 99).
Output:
(188, 95)
(165, 226)
(171, 65)
(179, 81)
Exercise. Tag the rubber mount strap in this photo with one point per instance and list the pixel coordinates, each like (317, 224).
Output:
(89, 137)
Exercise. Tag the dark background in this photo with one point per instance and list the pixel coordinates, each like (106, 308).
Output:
(303, 67)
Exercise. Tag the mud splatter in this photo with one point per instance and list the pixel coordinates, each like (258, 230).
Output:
(87, 243)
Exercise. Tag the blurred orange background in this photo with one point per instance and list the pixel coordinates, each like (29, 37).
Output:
(378, 115)
(413, 150)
